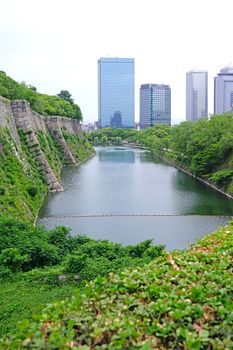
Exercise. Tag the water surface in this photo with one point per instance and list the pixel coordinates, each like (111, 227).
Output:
(132, 181)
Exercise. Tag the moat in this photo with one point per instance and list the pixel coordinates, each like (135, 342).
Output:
(174, 209)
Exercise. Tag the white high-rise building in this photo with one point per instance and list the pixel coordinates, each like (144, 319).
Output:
(223, 91)
(196, 94)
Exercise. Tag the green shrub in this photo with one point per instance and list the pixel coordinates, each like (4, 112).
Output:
(75, 263)
(100, 266)
(138, 250)
(26, 247)
(2, 191)
(222, 177)
(154, 252)
(12, 259)
(32, 191)
(5, 273)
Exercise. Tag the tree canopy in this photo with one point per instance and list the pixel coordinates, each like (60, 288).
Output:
(60, 105)
(65, 95)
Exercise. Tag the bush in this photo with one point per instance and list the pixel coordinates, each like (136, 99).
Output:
(5, 273)
(138, 250)
(75, 263)
(26, 247)
(32, 191)
(222, 177)
(93, 268)
(109, 250)
(61, 238)
(2, 191)
(12, 259)
(154, 252)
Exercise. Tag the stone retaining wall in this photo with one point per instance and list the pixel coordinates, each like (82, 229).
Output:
(17, 114)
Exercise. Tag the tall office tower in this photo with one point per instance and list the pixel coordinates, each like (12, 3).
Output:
(155, 105)
(196, 95)
(223, 91)
(116, 92)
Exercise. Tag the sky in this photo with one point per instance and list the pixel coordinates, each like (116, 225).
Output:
(54, 45)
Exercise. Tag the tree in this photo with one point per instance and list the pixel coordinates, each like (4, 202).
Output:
(65, 95)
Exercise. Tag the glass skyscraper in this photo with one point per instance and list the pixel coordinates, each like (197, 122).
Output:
(196, 95)
(223, 91)
(116, 92)
(155, 105)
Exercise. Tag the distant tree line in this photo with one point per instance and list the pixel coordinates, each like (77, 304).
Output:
(204, 147)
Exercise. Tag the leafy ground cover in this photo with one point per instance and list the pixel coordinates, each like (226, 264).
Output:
(182, 300)
(22, 296)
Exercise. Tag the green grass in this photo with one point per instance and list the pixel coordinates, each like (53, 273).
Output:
(18, 174)
(182, 300)
(21, 298)
(52, 151)
(80, 147)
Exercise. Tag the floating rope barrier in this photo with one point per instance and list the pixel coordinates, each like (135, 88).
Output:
(128, 215)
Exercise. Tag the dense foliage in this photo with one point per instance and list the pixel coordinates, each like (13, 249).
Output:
(24, 247)
(41, 103)
(204, 147)
(37, 262)
(182, 300)
(108, 136)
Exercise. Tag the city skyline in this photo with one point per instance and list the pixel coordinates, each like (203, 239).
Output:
(54, 57)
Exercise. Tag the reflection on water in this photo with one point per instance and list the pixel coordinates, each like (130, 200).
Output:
(133, 181)
(205, 199)
(122, 155)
